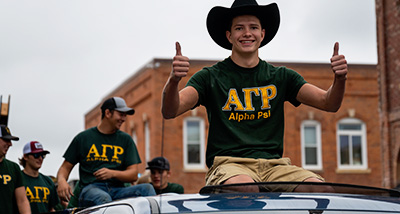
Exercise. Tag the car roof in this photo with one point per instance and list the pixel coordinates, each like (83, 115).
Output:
(359, 200)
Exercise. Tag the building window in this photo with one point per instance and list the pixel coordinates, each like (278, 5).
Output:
(134, 136)
(147, 140)
(311, 145)
(193, 143)
(351, 144)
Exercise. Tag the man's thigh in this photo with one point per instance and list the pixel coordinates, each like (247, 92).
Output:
(225, 168)
(133, 191)
(275, 170)
(93, 195)
(260, 170)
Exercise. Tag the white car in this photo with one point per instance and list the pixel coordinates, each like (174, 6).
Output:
(223, 199)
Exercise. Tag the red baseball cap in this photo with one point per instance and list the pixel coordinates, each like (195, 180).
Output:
(34, 147)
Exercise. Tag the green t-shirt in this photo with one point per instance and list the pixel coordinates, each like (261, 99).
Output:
(94, 150)
(10, 179)
(41, 193)
(172, 187)
(245, 107)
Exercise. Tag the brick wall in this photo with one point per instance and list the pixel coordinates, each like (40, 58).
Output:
(143, 92)
(388, 30)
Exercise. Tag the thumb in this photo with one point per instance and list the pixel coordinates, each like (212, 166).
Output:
(178, 49)
(336, 49)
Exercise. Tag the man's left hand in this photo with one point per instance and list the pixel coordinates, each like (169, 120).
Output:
(104, 174)
(339, 64)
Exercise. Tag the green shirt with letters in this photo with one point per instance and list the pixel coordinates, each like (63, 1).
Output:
(41, 193)
(245, 107)
(94, 150)
(10, 179)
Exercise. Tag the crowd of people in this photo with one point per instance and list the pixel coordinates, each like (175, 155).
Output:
(108, 169)
(241, 84)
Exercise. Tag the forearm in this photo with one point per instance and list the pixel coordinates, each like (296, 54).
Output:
(64, 190)
(335, 94)
(22, 201)
(63, 174)
(170, 99)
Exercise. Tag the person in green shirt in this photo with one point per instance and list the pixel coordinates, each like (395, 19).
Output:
(244, 97)
(107, 157)
(12, 190)
(160, 174)
(40, 189)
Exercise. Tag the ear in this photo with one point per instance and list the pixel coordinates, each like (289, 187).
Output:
(108, 113)
(262, 34)
(228, 36)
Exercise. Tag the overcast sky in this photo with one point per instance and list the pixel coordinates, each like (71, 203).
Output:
(59, 59)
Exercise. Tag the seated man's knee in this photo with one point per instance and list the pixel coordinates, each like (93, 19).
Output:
(238, 179)
(93, 196)
(147, 189)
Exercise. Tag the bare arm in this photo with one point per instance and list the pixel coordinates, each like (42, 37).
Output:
(64, 190)
(331, 99)
(22, 200)
(175, 102)
(130, 174)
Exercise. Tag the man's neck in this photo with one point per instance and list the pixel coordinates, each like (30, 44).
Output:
(105, 128)
(31, 172)
(250, 60)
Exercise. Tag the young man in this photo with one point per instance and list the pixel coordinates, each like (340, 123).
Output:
(107, 159)
(160, 174)
(244, 85)
(12, 190)
(40, 189)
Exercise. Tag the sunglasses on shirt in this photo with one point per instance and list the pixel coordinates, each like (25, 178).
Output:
(37, 155)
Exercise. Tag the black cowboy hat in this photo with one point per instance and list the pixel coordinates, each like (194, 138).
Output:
(219, 20)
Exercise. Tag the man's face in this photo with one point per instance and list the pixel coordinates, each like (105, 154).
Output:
(117, 118)
(4, 146)
(34, 161)
(246, 34)
(159, 178)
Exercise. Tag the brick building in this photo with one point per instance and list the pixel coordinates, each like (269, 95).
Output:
(359, 144)
(388, 30)
(311, 137)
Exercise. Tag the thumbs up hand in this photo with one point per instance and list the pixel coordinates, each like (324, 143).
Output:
(338, 64)
(180, 64)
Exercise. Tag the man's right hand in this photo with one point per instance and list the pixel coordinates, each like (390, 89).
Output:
(180, 64)
(64, 191)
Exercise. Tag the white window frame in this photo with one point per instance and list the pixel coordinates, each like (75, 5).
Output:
(134, 136)
(186, 163)
(362, 133)
(147, 140)
(317, 126)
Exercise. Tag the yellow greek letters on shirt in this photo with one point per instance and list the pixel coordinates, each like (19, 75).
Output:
(105, 150)
(267, 93)
(233, 99)
(93, 150)
(94, 154)
(35, 196)
(6, 179)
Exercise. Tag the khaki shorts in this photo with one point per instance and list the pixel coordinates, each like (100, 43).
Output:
(260, 170)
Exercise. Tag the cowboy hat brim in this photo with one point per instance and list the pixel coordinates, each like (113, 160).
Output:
(219, 20)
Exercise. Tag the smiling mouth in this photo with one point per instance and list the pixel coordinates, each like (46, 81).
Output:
(247, 42)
